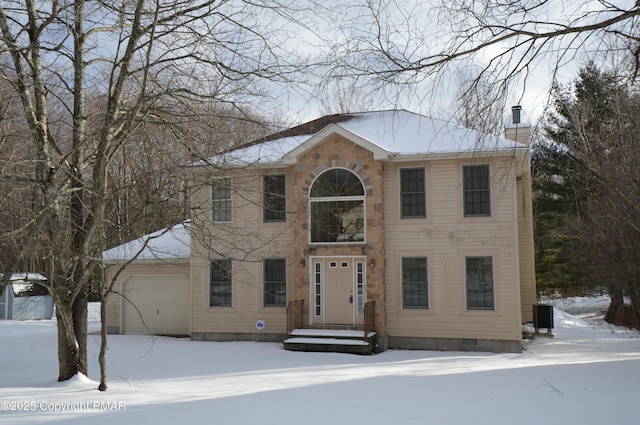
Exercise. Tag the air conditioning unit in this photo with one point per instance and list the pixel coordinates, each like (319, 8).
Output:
(543, 317)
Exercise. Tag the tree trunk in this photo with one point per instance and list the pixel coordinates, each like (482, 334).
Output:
(72, 337)
(67, 343)
(103, 340)
(80, 328)
(78, 185)
(617, 303)
(634, 295)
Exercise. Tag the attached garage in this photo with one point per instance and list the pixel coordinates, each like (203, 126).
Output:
(152, 288)
(156, 304)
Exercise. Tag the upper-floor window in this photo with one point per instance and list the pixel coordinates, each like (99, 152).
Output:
(413, 198)
(477, 190)
(274, 198)
(479, 282)
(337, 207)
(221, 199)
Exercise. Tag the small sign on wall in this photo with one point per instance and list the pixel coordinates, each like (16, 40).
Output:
(260, 325)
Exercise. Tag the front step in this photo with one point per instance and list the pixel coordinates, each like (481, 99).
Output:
(331, 340)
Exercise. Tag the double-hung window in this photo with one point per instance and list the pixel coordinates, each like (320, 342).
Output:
(415, 283)
(477, 190)
(275, 282)
(413, 199)
(479, 277)
(220, 283)
(221, 199)
(274, 198)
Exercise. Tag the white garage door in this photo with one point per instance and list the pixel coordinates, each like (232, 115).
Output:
(163, 301)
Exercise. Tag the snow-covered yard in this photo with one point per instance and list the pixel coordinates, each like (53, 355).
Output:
(588, 373)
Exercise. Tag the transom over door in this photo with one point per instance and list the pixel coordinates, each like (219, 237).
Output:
(338, 290)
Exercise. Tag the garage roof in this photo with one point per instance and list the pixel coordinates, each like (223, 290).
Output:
(165, 244)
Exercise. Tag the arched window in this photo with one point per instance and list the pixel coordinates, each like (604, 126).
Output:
(337, 207)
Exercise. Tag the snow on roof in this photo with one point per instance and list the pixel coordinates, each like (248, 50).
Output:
(25, 288)
(261, 153)
(23, 277)
(24, 283)
(164, 244)
(395, 133)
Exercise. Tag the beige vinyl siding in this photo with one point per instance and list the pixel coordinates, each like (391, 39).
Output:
(446, 237)
(247, 240)
(139, 268)
(526, 241)
(247, 302)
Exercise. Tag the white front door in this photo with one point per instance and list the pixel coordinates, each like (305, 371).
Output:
(337, 290)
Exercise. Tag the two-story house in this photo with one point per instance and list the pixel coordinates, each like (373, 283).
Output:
(391, 222)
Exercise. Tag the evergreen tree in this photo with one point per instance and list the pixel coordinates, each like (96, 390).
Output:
(587, 189)
(558, 205)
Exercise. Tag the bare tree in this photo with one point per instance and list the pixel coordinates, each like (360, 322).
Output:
(342, 95)
(595, 129)
(396, 44)
(478, 104)
(88, 75)
(149, 195)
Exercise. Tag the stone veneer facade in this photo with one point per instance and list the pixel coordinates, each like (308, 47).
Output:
(338, 152)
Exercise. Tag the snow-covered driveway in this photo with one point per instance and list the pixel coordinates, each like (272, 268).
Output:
(588, 373)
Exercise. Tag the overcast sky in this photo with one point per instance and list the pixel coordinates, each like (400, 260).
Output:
(414, 29)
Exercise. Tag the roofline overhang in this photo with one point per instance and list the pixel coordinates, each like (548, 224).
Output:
(388, 157)
(397, 157)
(121, 261)
(257, 166)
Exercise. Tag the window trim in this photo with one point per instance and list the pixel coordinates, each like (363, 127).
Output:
(273, 196)
(424, 183)
(230, 282)
(320, 200)
(228, 202)
(493, 283)
(465, 191)
(265, 283)
(402, 283)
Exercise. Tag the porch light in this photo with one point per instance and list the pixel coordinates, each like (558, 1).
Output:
(302, 262)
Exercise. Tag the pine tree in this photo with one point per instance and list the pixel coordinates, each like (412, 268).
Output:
(587, 188)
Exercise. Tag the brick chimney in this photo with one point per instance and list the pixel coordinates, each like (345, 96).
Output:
(518, 131)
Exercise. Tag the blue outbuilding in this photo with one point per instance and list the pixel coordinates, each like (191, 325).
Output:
(23, 298)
